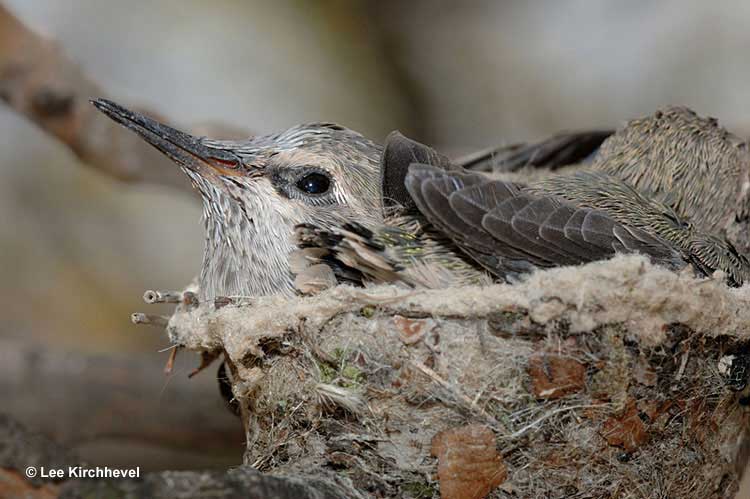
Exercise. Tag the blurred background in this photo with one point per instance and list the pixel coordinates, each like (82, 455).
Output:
(78, 247)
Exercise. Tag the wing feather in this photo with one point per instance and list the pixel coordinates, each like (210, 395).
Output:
(508, 229)
(563, 149)
(553, 230)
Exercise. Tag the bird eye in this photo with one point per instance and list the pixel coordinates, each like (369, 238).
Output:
(314, 183)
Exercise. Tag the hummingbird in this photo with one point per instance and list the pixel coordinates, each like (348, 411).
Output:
(255, 191)
(322, 202)
(693, 164)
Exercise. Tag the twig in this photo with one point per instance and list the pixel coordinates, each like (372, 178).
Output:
(548, 415)
(683, 364)
(169, 366)
(39, 82)
(463, 399)
(140, 318)
(151, 297)
(207, 359)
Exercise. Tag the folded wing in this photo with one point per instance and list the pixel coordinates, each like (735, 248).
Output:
(563, 149)
(510, 230)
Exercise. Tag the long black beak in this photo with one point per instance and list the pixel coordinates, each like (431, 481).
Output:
(186, 150)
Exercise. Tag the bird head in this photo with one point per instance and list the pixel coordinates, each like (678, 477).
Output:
(255, 191)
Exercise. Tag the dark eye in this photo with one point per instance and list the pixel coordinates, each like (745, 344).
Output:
(314, 183)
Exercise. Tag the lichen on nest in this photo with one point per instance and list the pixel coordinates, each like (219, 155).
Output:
(594, 381)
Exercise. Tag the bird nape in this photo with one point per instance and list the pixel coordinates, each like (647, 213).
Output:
(319, 204)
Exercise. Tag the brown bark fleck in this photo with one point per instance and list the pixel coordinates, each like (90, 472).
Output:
(627, 430)
(469, 466)
(554, 376)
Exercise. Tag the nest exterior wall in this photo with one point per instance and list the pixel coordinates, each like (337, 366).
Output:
(595, 381)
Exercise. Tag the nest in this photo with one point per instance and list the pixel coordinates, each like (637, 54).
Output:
(613, 379)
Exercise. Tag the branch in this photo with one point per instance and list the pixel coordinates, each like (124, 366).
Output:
(20, 448)
(39, 82)
(78, 398)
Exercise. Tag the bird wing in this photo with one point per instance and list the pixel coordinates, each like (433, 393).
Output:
(562, 149)
(709, 253)
(398, 153)
(506, 228)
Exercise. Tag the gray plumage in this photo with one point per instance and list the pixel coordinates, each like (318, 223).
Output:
(251, 201)
(510, 228)
(363, 213)
(699, 168)
(688, 162)
(565, 148)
